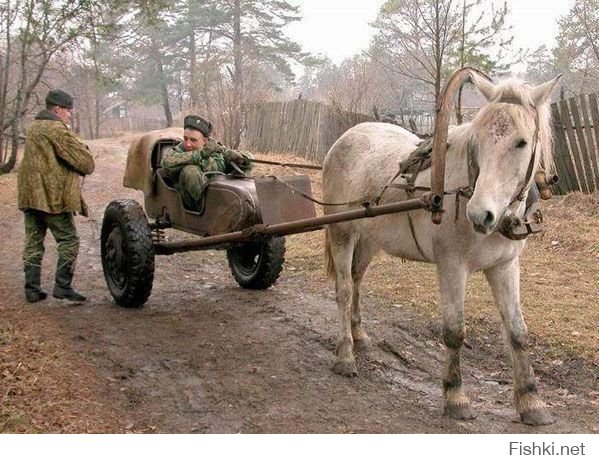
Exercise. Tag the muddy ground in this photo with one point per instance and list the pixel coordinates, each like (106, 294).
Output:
(205, 356)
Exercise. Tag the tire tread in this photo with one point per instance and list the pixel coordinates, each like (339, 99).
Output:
(130, 216)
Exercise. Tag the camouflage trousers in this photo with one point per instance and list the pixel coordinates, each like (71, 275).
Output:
(190, 186)
(62, 227)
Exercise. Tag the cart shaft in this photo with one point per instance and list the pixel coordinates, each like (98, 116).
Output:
(293, 227)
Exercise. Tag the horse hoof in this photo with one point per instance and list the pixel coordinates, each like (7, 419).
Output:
(537, 417)
(459, 412)
(345, 368)
(363, 344)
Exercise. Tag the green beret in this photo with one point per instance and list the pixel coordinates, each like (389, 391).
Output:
(198, 123)
(59, 98)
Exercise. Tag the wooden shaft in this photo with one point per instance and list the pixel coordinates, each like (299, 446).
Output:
(443, 113)
(293, 227)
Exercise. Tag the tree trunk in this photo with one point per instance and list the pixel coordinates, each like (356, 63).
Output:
(97, 75)
(90, 124)
(164, 91)
(97, 116)
(458, 104)
(437, 51)
(18, 111)
(206, 84)
(236, 125)
(12, 159)
(4, 90)
(193, 65)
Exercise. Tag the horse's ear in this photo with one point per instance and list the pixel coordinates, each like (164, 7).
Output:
(542, 92)
(484, 86)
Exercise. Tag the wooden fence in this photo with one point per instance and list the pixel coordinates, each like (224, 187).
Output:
(301, 127)
(116, 126)
(577, 143)
(309, 129)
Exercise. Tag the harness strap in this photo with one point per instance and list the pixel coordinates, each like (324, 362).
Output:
(413, 231)
(533, 159)
(529, 171)
(363, 201)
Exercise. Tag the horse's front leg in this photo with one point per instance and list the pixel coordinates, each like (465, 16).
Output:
(452, 283)
(504, 280)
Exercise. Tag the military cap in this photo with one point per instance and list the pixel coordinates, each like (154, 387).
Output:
(59, 98)
(198, 123)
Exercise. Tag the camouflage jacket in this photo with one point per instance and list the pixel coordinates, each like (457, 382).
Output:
(212, 157)
(54, 160)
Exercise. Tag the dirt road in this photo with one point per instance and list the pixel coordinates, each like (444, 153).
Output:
(205, 356)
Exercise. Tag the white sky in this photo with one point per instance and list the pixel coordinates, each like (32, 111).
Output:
(340, 28)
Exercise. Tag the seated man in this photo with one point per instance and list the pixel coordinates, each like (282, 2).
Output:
(189, 164)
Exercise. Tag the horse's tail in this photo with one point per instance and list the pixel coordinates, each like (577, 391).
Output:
(329, 264)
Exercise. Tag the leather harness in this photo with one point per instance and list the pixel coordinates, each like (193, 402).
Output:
(421, 159)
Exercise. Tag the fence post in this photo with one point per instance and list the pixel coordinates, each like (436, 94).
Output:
(575, 153)
(595, 123)
(563, 162)
(587, 171)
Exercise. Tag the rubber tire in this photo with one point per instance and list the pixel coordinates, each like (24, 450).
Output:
(257, 265)
(130, 273)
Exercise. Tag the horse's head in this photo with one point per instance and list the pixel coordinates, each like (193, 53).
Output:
(510, 139)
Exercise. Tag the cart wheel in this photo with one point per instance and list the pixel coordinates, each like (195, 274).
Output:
(127, 253)
(257, 265)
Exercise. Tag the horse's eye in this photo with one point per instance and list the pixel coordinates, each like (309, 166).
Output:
(521, 143)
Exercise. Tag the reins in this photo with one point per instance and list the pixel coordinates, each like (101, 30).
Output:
(286, 165)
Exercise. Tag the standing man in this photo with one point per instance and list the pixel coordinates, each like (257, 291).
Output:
(188, 164)
(49, 188)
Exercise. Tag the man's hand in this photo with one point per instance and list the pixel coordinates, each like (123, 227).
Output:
(240, 159)
(197, 158)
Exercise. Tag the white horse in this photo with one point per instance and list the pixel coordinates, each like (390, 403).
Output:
(510, 135)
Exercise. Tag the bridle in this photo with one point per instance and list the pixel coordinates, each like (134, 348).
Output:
(504, 225)
(473, 170)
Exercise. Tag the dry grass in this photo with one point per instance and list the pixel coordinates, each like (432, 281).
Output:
(40, 391)
(558, 278)
(45, 387)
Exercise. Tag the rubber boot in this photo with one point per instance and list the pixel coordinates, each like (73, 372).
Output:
(33, 289)
(62, 286)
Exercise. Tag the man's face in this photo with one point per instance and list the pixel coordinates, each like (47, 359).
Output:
(193, 139)
(63, 113)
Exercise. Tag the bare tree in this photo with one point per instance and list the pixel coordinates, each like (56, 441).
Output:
(34, 32)
(424, 40)
(43, 27)
(577, 51)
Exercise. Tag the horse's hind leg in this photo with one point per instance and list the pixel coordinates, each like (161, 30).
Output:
(504, 280)
(362, 256)
(452, 285)
(342, 249)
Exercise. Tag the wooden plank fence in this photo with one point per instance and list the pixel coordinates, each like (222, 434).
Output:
(115, 126)
(300, 127)
(576, 125)
(309, 129)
